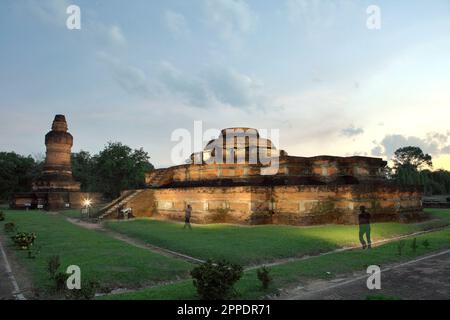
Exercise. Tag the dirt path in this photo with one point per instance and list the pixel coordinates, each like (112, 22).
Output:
(424, 278)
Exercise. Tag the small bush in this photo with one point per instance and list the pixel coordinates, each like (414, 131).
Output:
(448, 199)
(400, 246)
(87, 291)
(263, 275)
(426, 243)
(220, 215)
(414, 245)
(24, 240)
(60, 279)
(32, 253)
(2, 216)
(53, 265)
(10, 227)
(214, 281)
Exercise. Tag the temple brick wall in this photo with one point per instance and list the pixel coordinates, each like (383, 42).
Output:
(272, 187)
(296, 205)
(323, 169)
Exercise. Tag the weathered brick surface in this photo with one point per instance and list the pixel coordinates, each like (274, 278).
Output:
(298, 205)
(56, 188)
(301, 191)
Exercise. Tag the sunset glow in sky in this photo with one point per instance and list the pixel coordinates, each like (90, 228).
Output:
(137, 71)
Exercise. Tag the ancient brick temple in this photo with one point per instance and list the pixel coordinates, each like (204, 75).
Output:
(55, 188)
(57, 171)
(242, 178)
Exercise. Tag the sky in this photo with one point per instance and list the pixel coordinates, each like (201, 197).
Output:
(139, 70)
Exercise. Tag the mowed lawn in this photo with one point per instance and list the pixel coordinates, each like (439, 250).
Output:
(111, 262)
(249, 245)
(294, 273)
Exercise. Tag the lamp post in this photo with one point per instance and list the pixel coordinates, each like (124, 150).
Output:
(87, 204)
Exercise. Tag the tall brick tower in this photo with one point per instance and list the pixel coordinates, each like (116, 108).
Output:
(56, 179)
(56, 189)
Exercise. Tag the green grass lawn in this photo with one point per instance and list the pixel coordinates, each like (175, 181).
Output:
(117, 264)
(76, 213)
(111, 262)
(260, 244)
(292, 273)
(72, 213)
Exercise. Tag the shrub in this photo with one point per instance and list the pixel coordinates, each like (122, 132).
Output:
(263, 275)
(426, 243)
(219, 215)
(32, 253)
(53, 265)
(448, 199)
(10, 227)
(400, 246)
(2, 216)
(214, 281)
(414, 245)
(86, 292)
(24, 240)
(60, 279)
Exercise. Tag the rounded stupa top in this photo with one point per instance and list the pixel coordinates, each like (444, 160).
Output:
(59, 123)
(59, 134)
(240, 137)
(239, 131)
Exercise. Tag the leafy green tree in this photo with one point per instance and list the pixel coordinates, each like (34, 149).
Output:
(83, 170)
(117, 167)
(409, 163)
(17, 173)
(411, 157)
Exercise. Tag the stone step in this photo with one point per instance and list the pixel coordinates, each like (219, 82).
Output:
(112, 209)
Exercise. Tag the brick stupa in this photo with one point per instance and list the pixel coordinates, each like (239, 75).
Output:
(55, 189)
(57, 171)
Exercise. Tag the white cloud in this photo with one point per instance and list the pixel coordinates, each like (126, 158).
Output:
(434, 143)
(352, 131)
(131, 79)
(234, 88)
(176, 23)
(311, 12)
(233, 18)
(50, 11)
(316, 15)
(212, 86)
(209, 88)
(53, 12)
(445, 150)
(115, 35)
(185, 86)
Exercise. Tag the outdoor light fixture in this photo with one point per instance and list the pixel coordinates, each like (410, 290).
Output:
(87, 202)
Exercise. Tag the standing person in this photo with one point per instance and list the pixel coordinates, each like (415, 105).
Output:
(187, 217)
(364, 227)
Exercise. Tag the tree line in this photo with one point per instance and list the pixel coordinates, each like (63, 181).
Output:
(115, 168)
(413, 167)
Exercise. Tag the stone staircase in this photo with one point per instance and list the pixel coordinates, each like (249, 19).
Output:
(112, 208)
